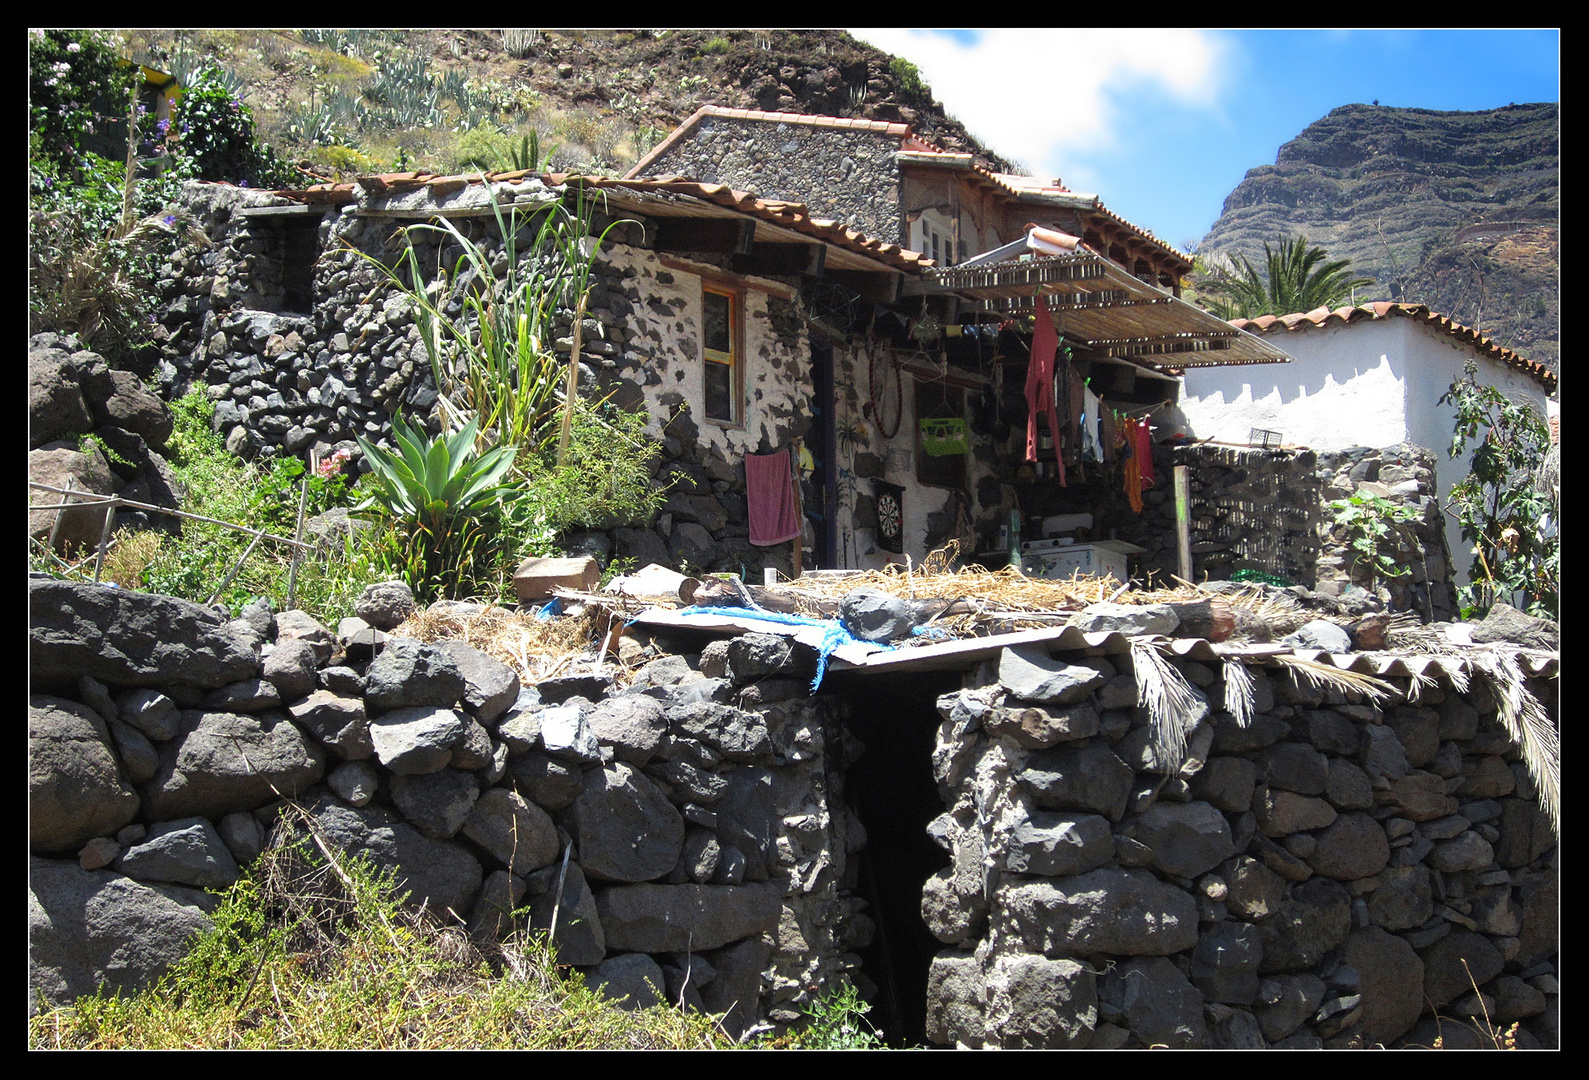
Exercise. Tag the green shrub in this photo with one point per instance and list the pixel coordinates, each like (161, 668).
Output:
(909, 78)
(715, 46)
(71, 74)
(218, 140)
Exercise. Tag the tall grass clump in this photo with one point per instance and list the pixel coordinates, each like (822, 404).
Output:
(313, 949)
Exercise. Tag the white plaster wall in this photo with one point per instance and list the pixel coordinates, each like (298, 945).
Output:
(777, 378)
(1372, 383)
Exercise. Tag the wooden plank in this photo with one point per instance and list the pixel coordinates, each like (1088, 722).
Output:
(802, 259)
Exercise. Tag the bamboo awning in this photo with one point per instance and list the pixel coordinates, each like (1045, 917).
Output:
(1097, 303)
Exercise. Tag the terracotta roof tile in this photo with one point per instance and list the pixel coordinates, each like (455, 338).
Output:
(1381, 309)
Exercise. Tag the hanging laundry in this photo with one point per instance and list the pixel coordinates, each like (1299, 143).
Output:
(770, 498)
(1132, 478)
(1091, 450)
(1143, 444)
(1076, 406)
(1040, 394)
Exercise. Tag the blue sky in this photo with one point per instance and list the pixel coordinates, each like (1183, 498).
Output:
(1163, 124)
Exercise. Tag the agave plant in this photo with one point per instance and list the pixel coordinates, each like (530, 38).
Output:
(438, 490)
(430, 482)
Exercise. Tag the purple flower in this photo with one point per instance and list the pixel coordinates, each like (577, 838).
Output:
(169, 219)
(163, 127)
(242, 183)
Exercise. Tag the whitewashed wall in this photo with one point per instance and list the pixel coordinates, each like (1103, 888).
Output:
(1371, 383)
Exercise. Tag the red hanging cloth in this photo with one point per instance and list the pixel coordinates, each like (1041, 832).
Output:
(1040, 386)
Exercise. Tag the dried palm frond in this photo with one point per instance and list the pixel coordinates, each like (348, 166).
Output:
(1337, 678)
(1529, 725)
(1240, 690)
(1170, 701)
(1417, 684)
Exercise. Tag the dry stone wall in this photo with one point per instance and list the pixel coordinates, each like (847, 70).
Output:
(1316, 877)
(1265, 511)
(703, 805)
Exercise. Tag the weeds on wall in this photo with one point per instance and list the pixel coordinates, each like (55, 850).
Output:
(313, 948)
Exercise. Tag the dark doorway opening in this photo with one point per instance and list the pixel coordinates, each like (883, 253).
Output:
(892, 791)
(822, 442)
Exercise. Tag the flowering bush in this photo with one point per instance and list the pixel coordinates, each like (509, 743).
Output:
(71, 74)
(216, 137)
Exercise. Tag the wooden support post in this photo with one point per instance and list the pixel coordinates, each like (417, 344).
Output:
(1183, 523)
(800, 512)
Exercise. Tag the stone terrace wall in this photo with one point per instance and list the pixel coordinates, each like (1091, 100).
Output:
(1315, 878)
(704, 804)
(1264, 510)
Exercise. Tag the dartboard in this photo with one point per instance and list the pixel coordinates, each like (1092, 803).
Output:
(888, 516)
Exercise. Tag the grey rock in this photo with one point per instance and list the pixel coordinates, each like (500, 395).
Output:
(385, 604)
(1286, 1001)
(438, 803)
(137, 754)
(565, 734)
(1456, 963)
(244, 837)
(752, 657)
(1316, 919)
(735, 993)
(437, 873)
(409, 673)
(1054, 844)
(578, 936)
(1131, 620)
(130, 639)
(1253, 891)
(1319, 634)
(416, 740)
(1353, 846)
(1028, 673)
(1225, 963)
(513, 831)
(680, 918)
(301, 626)
(184, 852)
(1160, 1006)
(1088, 778)
(290, 667)
(89, 930)
(490, 686)
(493, 916)
(871, 615)
(222, 762)
(1186, 839)
(1036, 727)
(625, 827)
(355, 782)
(1034, 1003)
(151, 712)
(545, 781)
(956, 999)
(1392, 978)
(1129, 912)
(631, 981)
(736, 734)
(337, 721)
(1506, 623)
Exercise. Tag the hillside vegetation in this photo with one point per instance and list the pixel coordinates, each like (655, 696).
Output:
(345, 101)
(1457, 210)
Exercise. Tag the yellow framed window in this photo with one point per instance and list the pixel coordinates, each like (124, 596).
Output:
(724, 393)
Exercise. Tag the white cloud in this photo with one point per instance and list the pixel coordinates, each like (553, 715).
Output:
(1046, 96)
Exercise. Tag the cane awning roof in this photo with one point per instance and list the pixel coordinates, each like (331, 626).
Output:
(1097, 303)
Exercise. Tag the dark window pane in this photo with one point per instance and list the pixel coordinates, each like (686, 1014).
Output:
(717, 330)
(719, 391)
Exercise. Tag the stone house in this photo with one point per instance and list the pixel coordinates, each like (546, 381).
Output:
(1114, 293)
(1365, 376)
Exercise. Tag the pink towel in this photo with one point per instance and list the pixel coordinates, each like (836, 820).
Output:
(773, 518)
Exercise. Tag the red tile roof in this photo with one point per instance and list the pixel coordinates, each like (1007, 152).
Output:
(1265, 324)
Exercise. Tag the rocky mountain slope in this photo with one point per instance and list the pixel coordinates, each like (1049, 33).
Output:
(1457, 210)
(603, 96)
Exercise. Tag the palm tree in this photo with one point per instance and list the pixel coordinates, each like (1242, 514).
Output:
(1299, 278)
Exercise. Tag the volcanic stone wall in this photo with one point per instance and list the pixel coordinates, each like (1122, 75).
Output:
(702, 805)
(847, 175)
(1264, 510)
(1327, 874)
